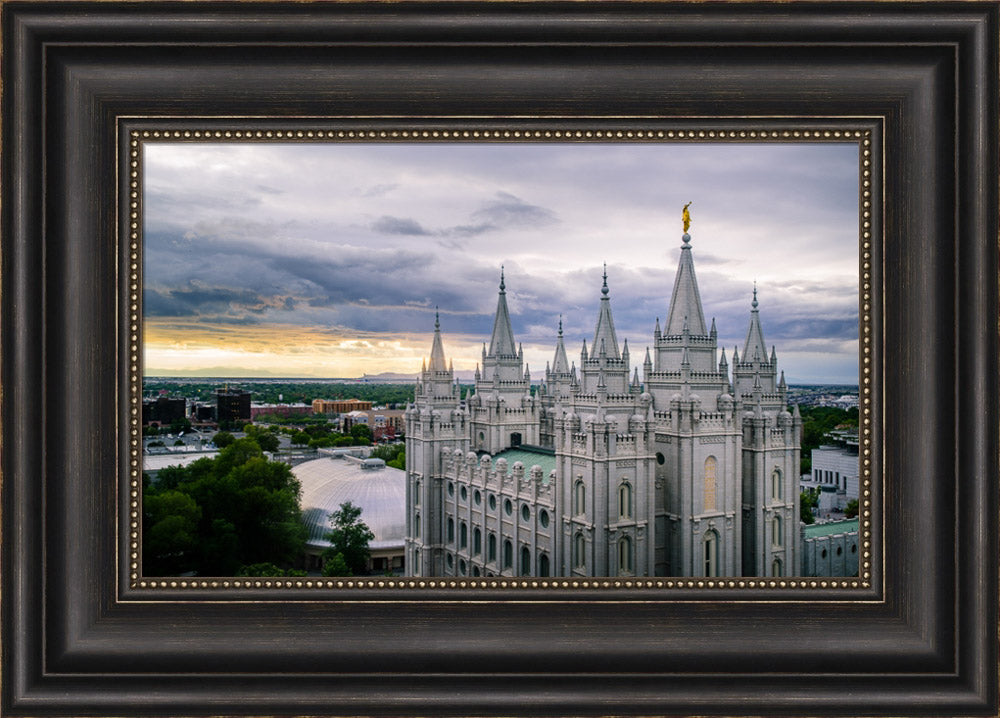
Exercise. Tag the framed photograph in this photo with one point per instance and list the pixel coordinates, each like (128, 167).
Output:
(466, 195)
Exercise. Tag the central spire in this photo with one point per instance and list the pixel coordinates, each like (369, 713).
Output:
(502, 341)
(437, 348)
(685, 304)
(754, 347)
(560, 365)
(605, 332)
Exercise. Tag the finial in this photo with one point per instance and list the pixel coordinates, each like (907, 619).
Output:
(560, 325)
(502, 285)
(437, 319)
(686, 216)
(604, 289)
(754, 302)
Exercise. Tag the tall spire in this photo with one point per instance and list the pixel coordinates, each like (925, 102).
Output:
(604, 335)
(560, 365)
(502, 341)
(754, 345)
(437, 348)
(685, 303)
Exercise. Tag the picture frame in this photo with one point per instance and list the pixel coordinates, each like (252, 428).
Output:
(78, 640)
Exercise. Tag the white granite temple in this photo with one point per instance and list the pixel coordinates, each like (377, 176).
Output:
(689, 468)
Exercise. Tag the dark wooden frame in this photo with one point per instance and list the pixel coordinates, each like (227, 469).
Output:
(922, 640)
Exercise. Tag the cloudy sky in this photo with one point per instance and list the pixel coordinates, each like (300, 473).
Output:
(328, 260)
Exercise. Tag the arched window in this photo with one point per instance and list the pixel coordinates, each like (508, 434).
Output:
(625, 556)
(451, 530)
(543, 565)
(477, 541)
(491, 548)
(776, 485)
(579, 551)
(416, 493)
(515, 439)
(776, 538)
(463, 535)
(508, 554)
(525, 561)
(579, 498)
(711, 553)
(625, 500)
(416, 525)
(710, 464)
(776, 567)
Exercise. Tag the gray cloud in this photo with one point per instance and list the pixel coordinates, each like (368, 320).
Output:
(398, 225)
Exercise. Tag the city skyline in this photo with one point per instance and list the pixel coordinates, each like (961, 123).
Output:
(328, 260)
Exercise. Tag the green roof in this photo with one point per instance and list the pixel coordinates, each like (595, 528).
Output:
(529, 458)
(831, 528)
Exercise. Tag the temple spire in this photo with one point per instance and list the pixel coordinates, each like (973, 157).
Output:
(685, 302)
(754, 347)
(437, 348)
(502, 341)
(604, 335)
(560, 365)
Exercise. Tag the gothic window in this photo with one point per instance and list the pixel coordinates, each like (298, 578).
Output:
(477, 541)
(711, 553)
(416, 493)
(525, 561)
(543, 565)
(508, 554)
(493, 502)
(776, 567)
(625, 500)
(625, 556)
(463, 535)
(477, 497)
(776, 485)
(710, 464)
(451, 530)
(579, 551)
(449, 560)
(491, 546)
(416, 524)
(776, 538)
(579, 498)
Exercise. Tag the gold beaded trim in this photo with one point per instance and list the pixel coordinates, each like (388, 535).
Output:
(134, 170)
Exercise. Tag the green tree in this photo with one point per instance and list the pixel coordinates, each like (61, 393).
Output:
(336, 565)
(808, 500)
(179, 425)
(170, 532)
(851, 510)
(350, 537)
(361, 431)
(300, 438)
(268, 569)
(223, 439)
(265, 438)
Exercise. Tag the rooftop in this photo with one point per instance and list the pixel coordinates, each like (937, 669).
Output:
(529, 458)
(831, 528)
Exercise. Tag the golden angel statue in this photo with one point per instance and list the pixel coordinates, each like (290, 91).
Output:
(686, 216)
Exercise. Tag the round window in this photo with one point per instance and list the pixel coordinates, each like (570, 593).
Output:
(823, 554)
(451, 489)
(543, 518)
(660, 458)
(465, 494)
(508, 507)
(839, 550)
(477, 497)
(493, 502)
(525, 512)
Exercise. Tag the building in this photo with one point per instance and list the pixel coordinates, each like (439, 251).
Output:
(380, 492)
(232, 405)
(386, 424)
(690, 471)
(339, 406)
(258, 410)
(163, 410)
(830, 549)
(835, 471)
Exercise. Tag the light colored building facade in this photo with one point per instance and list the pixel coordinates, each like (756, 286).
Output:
(339, 406)
(692, 471)
(835, 470)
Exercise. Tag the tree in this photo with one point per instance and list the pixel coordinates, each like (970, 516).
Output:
(223, 439)
(808, 500)
(336, 566)
(301, 438)
(361, 431)
(350, 538)
(268, 569)
(265, 438)
(851, 510)
(179, 425)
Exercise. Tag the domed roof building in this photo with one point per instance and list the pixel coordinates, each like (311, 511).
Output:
(380, 492)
